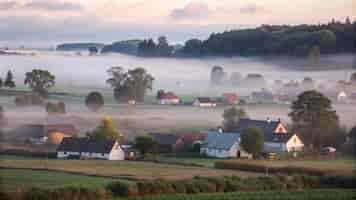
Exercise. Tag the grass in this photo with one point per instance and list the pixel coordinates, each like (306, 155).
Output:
(118, 169)
(191, 159)
(321, 194)
(13, 178)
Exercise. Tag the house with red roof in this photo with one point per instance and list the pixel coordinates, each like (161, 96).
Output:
(231, 98)
(169, 98)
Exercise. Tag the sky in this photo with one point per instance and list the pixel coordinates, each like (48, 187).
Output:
(47, 22)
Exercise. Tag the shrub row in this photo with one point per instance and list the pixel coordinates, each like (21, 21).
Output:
(229, 184)
(261, 167)
(66, 193)
(196, 185)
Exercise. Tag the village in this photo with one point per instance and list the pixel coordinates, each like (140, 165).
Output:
(54, 133)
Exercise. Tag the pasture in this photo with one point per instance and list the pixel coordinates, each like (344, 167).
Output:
(14, 178)
(133, 170)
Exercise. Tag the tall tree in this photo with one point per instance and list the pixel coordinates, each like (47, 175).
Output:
(106, 130)
(140, 81)
(94, 101)
(314, 119)
(232, 117)
(353, 78)
(252, 140)
(163, 48)
(40, 81)
(130, 85)
(118, 81)
(9, 81)
(1, 83)
(217, 75)
(146, 145)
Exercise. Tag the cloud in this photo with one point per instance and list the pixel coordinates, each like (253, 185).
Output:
(7, 5)
(48, 5)
(52, 5)
(192, 10)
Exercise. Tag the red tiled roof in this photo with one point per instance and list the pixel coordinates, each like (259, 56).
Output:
(67, 129)
(169, 95)
(192, 137)
(231, 97)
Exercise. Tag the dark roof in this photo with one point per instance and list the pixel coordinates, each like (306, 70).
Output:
(86, 145)
(204, 100)
(30, 130)
(224, 141)
(165, 138)
(267, 127)
(262, 95)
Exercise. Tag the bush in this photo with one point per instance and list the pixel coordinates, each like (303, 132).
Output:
(122, 189)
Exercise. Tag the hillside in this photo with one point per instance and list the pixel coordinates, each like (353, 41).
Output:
(78, 46)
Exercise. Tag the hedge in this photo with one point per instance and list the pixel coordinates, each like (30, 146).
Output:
(229, 184)
(262, 168)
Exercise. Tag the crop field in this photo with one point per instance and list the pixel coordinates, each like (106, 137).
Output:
(326, 194)
(119, 169)
(13, 178)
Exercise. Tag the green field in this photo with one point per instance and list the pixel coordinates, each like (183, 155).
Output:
(117, 169)
(194, 159)
(13, 178)
(328, 194)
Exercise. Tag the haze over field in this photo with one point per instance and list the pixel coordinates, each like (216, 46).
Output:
(181, 75)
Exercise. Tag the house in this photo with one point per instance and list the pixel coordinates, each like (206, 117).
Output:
(33, 133)
(223, 145)
(41, 134)
(263, 96)
(342, 97)
(56, 132)
(276, 136)
(190, 140)
(87, 148)
(204, 102)
(231, 98)
(169, 98)
(168, 142)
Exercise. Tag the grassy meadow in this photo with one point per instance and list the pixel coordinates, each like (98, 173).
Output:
(25, 178)
(134, 170)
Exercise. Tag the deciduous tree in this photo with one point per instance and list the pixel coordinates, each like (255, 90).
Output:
(40, 81)
(314, 119)
(232, 117)
(252, 140)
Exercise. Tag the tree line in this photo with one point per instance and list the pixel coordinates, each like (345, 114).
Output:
(265, 40)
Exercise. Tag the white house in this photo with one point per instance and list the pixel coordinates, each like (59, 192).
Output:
(204, 102)
(223, 145)
(342, 97)
(85, 148)
(276, 136)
